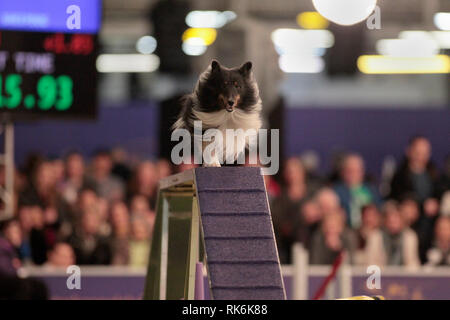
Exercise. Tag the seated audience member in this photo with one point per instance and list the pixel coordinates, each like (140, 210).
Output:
(38, 242)
(439, 253)
(58, 169)
(443, 184)
(108, 186)
(139, 246)
(87, 201)
(409, 208)
(76, 179)
(91, 248)
(445, 204)
(145, 182)
(311, 162)
(286, 207)
(60, 256)
(353, 192)
(120, 167)
(370, 221)
(396, 244)
(332, 238)
(120, 220)
(308, 223)
(163, 168)
(327, 200)
(103, 211)
(140, 207)
(10, 239)
(13, 233)
(42, 186)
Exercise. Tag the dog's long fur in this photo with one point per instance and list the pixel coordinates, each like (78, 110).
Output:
(223, 99)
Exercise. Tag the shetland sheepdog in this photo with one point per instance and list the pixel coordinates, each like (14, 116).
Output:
(223, 98)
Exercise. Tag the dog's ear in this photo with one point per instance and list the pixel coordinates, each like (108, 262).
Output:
(246, 68)
(215, 65)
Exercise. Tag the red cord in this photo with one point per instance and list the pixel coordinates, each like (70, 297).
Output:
(336, 264)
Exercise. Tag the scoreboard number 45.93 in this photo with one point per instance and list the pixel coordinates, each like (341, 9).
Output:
(50, 92)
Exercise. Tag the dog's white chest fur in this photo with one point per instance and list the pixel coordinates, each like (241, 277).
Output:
(223, 120)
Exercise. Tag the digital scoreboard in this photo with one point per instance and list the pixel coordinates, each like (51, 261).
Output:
(47, 58)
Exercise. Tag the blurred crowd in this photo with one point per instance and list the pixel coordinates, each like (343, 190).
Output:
(402, 221)
(101, 212)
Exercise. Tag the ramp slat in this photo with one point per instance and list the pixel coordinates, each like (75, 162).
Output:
(239, 242)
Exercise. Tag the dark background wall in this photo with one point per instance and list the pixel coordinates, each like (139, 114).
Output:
(375, 133)
(134, 128)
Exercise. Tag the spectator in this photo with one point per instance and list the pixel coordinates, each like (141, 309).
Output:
(439, 254)
(286, 207)
(58, 171)
(310, 216)
(352, 191)
(327, 200)
(145, 182)
(396, 244)
(163, 168)
(443, 184)
(370, 222)
(409, 208)
(37, 236)
(332, 238)
(445, 204)
(120, 167)
(61, 256)
(13, 233)
(89, 245)
(10, 239)
(107, 185)
(140, 242)
(76, 179)
(417, 174)
(42, 189)
(120, 220)
(311, 162)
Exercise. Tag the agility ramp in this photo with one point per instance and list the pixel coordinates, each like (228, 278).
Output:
(221, 217)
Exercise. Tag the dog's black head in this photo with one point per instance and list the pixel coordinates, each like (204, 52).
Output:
(220, 88)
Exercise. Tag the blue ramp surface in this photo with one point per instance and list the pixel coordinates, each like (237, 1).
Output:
(239, 241)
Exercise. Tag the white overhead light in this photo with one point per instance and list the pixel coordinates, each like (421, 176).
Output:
(345, 12)
(146, 45)
(442, 38)
(425, 47)
(293, 40)
(127, 63)
(209, 19)
(295, 64)
(442, 20)
(194, 46)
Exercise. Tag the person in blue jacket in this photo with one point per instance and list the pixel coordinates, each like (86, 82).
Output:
(353, 192)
